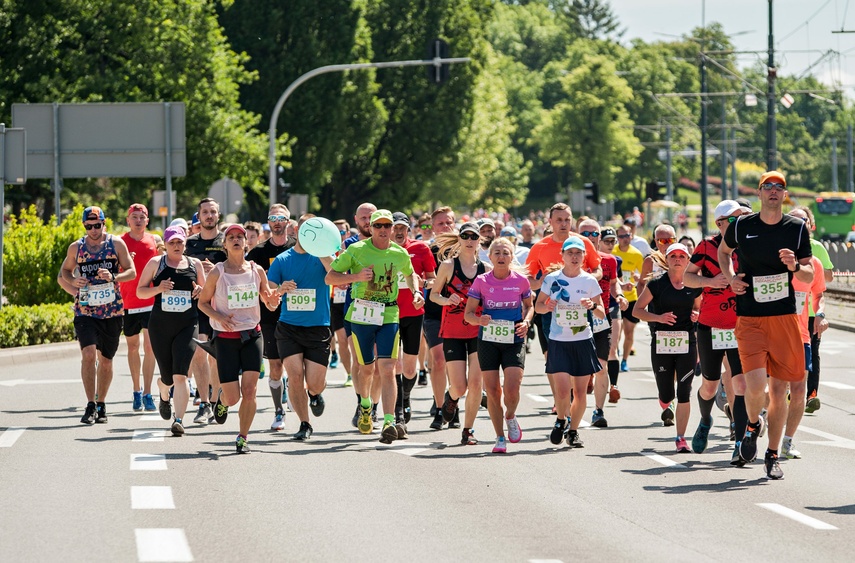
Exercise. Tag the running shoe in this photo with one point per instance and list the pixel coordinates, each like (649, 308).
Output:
(735, 459)
(558, 431)
(374, 416)
(668, 415)
(728, 412)
(455, 421)
(148, 403)
(241, 446)
(598, 419)
(389, 433)
(401, 429)
(732, 431)
(682, 446)
(334, 360)
(317, 404)
(203, 414)
(632, 351)
(514, 430)
(437, 422)
(701, 437)
(614, 394)
(177, 428)
(762, 423)
(422, 381)
(101, 414)
(89, 414)
(468, 437)
(448, 408)
(197, 400)
(304, 433)
(813, 404)
(748, 446)
(355, 420)
(165, 408)
(623, 366)
(137, 400)
(349, 381)
(773, 470)
(278, 420)
(573, 440)
(433, 410)
(364, 423)
(500, 447)
(483, 400)
(788, 451)
(221, 412)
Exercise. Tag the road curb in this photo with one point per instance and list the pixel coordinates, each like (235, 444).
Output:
(40, 353)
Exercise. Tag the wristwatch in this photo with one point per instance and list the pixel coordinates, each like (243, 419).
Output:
(798, 267)
(820, 315)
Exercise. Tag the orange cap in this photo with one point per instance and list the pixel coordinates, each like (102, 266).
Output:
(773, 176)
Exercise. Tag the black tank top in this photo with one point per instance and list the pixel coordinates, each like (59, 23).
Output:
(183, 279)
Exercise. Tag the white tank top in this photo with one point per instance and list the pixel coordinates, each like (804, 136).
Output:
(237, 294)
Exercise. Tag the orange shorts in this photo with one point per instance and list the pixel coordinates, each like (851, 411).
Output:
(773, 344)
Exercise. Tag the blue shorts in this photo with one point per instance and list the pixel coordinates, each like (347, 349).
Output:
(365, 337)
(808, 358)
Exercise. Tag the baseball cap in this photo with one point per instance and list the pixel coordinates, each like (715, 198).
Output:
(486, 221)
(677, 247)
(265, 227)
(399, 218)
(179, 222)
(508, 232)
(744, 203)
(471, 227)
(573, 242)
(195, 219)
(234, 226)
(174, 231)
(607, 232)
(630, 221)
(93, 213)
(382, 215)
(138, 207)
(773, 176)
(726, 208)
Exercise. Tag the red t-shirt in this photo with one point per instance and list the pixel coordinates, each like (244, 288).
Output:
(142, 251)
(718, 307)
(546, 252)
(609, 264)
(422, 259)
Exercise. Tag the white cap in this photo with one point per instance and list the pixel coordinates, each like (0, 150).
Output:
(726, 208)
(179, 222)
(677, 247)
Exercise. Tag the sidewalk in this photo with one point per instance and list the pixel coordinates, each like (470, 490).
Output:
(11, 357)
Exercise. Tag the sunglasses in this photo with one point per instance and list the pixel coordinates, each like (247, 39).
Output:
(624, 236)
(769, 186)
(671, 240)
(469, 236)
(342, 232)
(424, 227)
(590, 233)
(93, 226)
(382, 225)
(608, 241)
(728, 219)
(276, 218)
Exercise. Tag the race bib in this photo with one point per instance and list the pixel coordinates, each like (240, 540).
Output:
(571, 315)
(771, 288)
(498, 331)
(723, 339)
(175, 301)
(672, 342)
(599, 325)
(367, 312)
(102, 294)
(801, 299)
(301, 300)
(339, 294)
(242, 296)
(627, 276)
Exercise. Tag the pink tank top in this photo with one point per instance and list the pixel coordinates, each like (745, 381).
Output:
(237, 294)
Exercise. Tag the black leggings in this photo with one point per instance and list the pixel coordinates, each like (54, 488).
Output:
(711, 360)
(173, 346)
(667, 366)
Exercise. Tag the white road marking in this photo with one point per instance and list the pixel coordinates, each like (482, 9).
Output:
(797, 516)
(833, 440)
(148, 462)
(835, 385)
(663, 460)
(537, 398)
(151, 418)
(405, 448)
(149, 435)
(14, 382)
(152, 498)
(162, 544)
(545, 561)
(10, 436)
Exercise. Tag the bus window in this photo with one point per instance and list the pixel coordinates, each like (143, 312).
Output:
(833, 206)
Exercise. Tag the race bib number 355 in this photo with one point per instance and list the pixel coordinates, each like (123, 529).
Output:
(771, 288)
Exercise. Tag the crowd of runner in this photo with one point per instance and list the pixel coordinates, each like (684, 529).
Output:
(456, 304)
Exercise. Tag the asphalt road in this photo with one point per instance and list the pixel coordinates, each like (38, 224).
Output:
(126, 491)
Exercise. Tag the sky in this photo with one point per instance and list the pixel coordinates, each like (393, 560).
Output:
(799, 25)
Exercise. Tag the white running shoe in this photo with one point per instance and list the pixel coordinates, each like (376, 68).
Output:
(788, 451)
(514, 430)
(278, 421)
(500, 447)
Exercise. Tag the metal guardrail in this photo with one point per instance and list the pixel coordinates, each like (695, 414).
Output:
(842, 255)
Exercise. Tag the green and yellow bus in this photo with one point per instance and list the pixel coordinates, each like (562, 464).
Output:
(835, 214)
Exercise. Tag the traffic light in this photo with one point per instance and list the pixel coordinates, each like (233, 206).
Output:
(653, 191)
(592, 191)
(437, 74)
(282, 186)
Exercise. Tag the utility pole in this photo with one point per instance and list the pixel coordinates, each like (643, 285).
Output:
(704, 168)
(849, 158)
(669, 185)
(834, 186)
(723, 149)
(771, 126)
(733, 178)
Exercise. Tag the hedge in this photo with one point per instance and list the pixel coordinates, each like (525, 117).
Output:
(37, 324)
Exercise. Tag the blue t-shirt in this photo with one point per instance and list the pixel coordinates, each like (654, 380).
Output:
(308, 273)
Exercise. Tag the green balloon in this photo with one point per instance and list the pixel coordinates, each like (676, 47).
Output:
(319, 237)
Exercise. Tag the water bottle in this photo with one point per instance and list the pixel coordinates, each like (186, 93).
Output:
(82, 292)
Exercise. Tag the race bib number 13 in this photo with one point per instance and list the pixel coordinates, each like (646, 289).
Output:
(723, 339)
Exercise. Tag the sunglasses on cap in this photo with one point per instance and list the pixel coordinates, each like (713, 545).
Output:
(276, 218)
(671, 240)
(469, 236)
(590, 233)
(382, 225)
(93, 226)
(768, 186)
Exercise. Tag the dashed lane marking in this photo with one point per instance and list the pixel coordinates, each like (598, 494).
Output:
(663, 460)
(10, 436)
(162, 544)
(148, 462)
(832, 439)
(537, 398)
(797, 516)
(835, 385)
(149, 435)
(152, 498)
